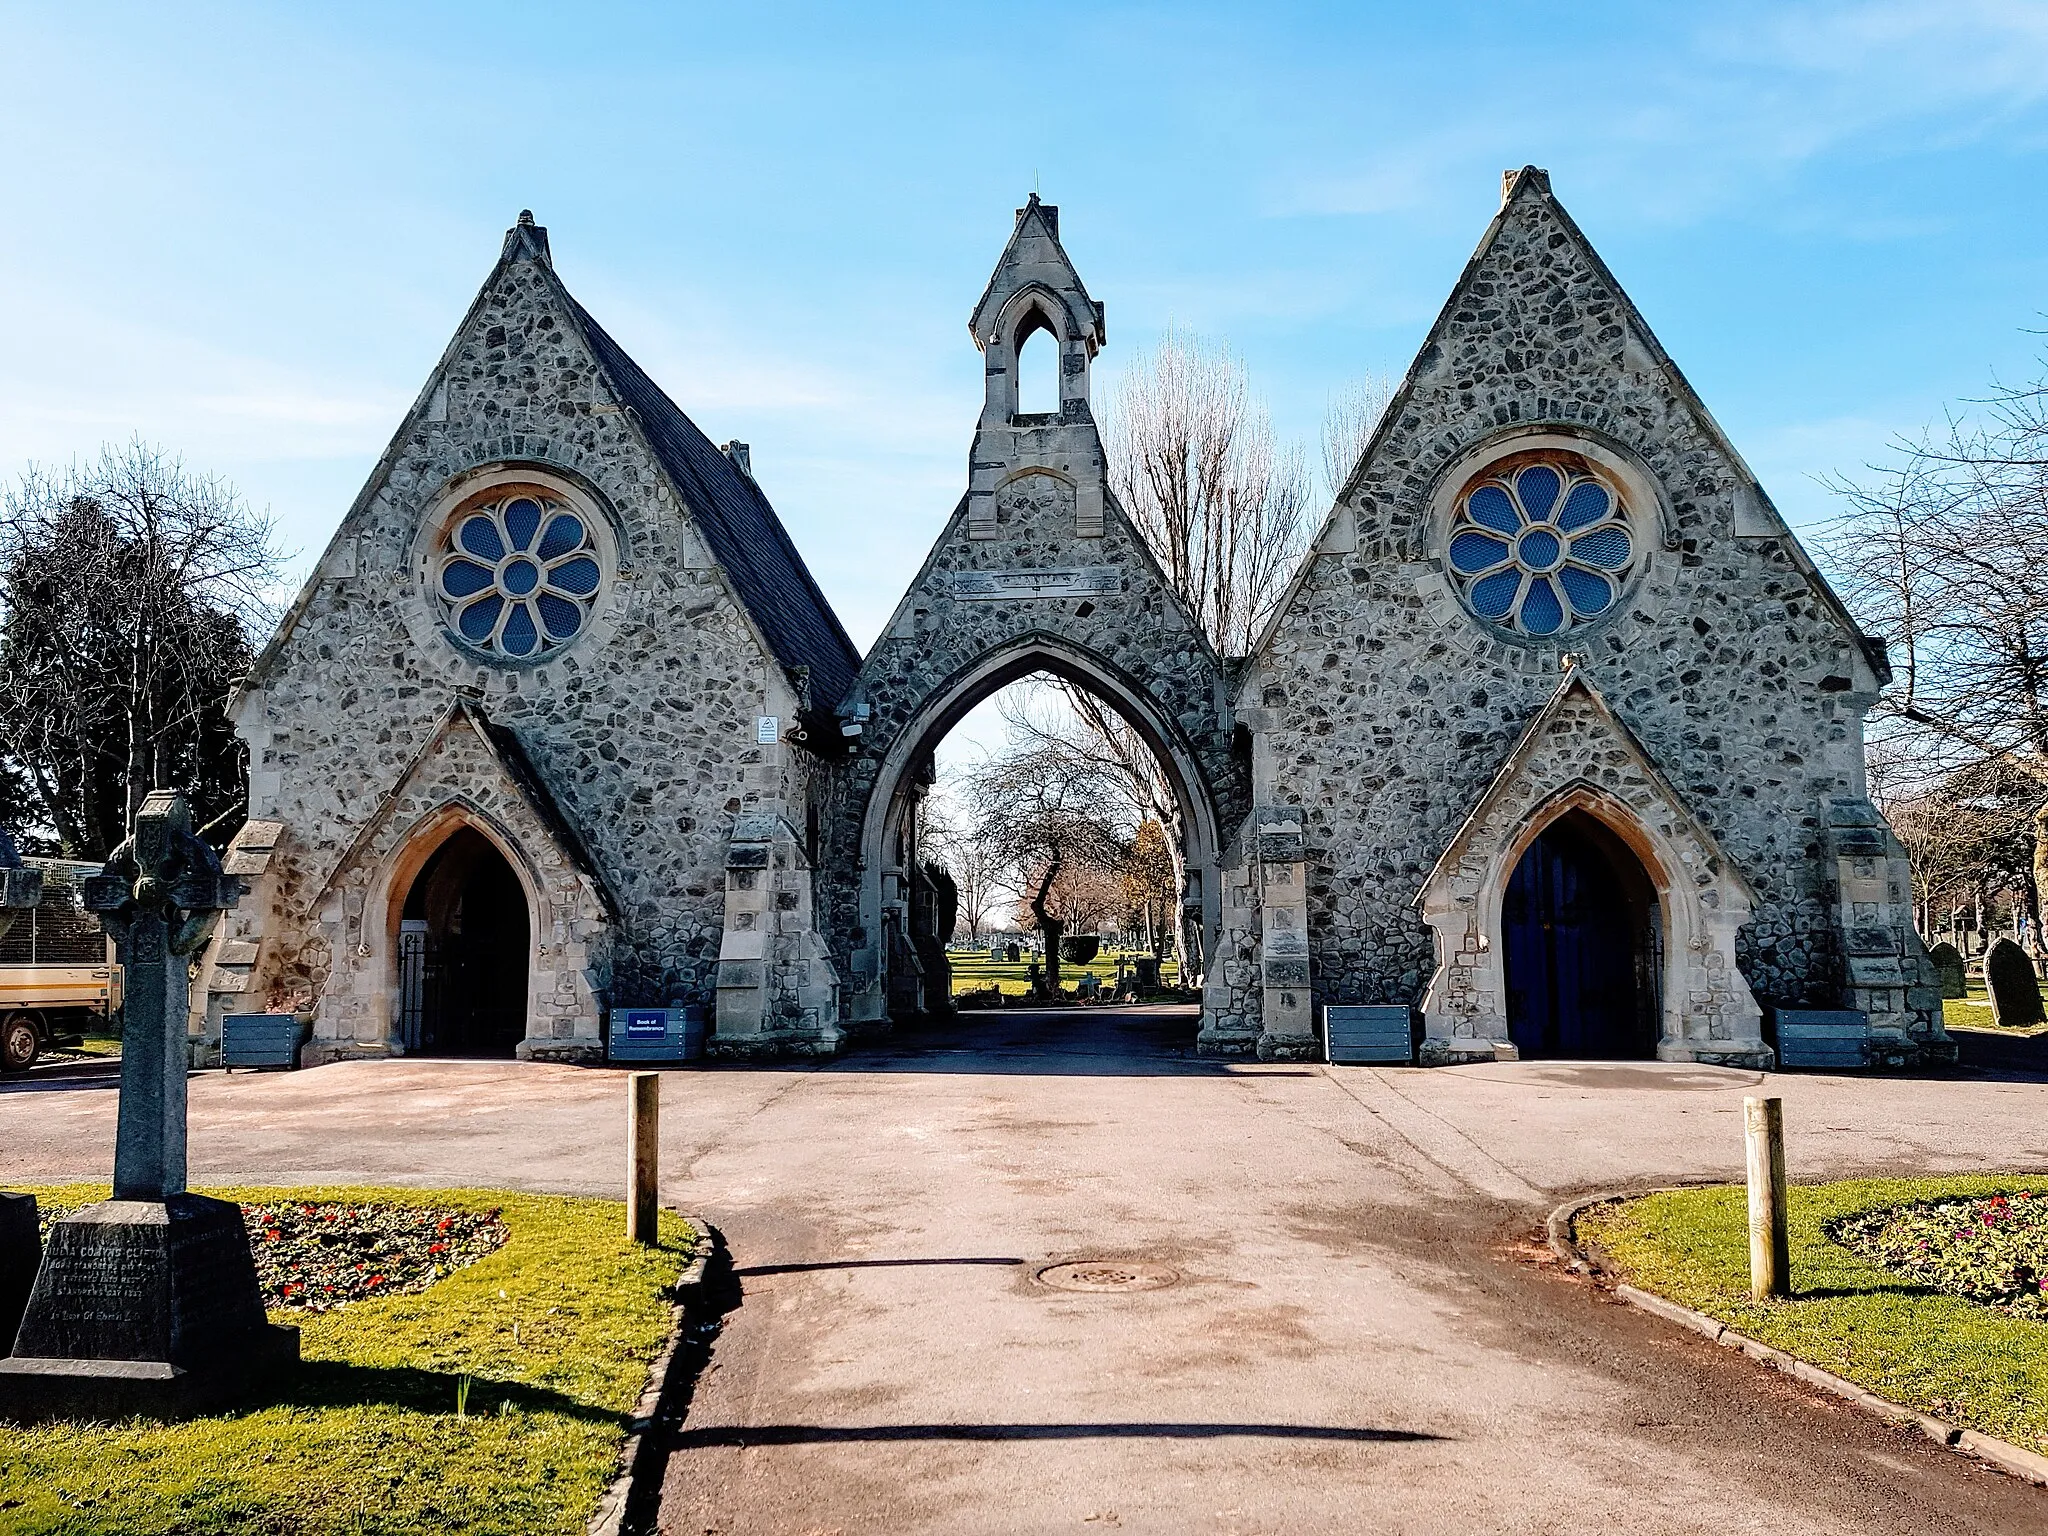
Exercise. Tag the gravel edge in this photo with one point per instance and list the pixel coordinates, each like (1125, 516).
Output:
(639, 1459)
(1562, 1230)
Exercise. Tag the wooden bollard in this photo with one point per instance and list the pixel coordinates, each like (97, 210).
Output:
(1770, 1254)
(643, 1157)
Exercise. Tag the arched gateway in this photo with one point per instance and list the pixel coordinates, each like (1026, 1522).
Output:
(1556, 737)
(1038, 570)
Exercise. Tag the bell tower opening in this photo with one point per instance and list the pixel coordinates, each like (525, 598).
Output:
(463, 939)
(1582, 946)
(1038, 368)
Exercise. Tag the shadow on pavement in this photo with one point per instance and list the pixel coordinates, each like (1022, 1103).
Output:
(805, 1269)
(2001, 1054)
(1130, 1041)
(65, 1074)
(832, 1434)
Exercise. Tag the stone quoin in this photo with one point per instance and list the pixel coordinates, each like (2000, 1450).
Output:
(1556, 738)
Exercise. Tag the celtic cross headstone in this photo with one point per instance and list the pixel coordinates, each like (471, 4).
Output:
(148, 1302)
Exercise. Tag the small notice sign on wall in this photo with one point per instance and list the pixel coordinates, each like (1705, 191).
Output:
(768, 729)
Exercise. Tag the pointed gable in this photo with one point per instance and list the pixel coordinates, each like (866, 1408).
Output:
(1576, 739)
(1533, 332)
(471, 760)
(1034, 258)
(738, 526)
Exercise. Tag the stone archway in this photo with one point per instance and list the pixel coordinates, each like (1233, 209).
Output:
(884, 796)
(1037, 569)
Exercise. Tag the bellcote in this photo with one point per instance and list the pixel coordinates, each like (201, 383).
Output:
(1035, 290)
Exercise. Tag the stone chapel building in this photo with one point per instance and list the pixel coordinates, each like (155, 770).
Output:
(1557, 736)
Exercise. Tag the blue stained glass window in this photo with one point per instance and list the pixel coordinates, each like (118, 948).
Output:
(481, 617)
(519, 577)
(558, 615)
(480, 537)
(522, 519)
(577, 577)
(520, 637)
(1539, 549)
(1490, 507)
(1541, 611)
(1567, 550)
(1475, 552)
(464, 578)
(1588, 593)
(564, 534)
(1587, 503)
(1494, 595)
(1537, 488)
(1605, 547)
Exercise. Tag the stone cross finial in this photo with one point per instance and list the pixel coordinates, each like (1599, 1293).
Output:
(159, 897)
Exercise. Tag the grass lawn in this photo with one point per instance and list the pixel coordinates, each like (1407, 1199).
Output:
(973, 971)
(1974, 1011)
(554, 1332)
(1973, 1365)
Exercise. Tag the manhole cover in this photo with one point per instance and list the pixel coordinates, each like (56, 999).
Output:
(1107, 1275)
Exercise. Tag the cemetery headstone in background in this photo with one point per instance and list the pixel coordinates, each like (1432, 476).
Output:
(1949, 969)
(2015, 989)
(148, 1303)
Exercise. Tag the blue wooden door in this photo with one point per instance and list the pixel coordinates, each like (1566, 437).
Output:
(1572, 946)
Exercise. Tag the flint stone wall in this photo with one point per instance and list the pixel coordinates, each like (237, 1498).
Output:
(642, 729)
(1383, 709)
(1139, 632)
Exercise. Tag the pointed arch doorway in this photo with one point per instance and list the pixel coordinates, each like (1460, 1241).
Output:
(1582, 942)
(463, 952)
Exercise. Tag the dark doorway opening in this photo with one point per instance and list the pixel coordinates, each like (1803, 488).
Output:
(1581, 942)
(462, 953)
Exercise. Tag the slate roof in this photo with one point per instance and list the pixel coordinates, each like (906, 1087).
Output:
(741, 528)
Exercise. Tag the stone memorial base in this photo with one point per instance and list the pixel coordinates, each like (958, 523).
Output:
(144, 1307)
(20, 1251)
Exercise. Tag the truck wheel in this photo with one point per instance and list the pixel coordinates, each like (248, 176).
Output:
(21, 1041)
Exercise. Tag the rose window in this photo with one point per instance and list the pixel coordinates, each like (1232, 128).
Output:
(1540, 548)
(519, 575)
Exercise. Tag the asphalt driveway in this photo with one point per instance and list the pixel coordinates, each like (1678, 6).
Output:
(1360, 1331)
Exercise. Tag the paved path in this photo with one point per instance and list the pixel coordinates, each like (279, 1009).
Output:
(1363, 1336)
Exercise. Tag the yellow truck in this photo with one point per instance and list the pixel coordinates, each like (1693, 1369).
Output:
(57, 971)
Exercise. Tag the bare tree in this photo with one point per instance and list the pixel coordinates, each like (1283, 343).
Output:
(946, 838)
(1193, 460)
(1068, 720)
(1945, 554)
(1348, 424)
(1040, 813)
(131, 592)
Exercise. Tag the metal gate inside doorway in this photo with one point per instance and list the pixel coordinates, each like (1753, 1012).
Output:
(419, 984)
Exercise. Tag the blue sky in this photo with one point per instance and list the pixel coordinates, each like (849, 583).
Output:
(246, 232)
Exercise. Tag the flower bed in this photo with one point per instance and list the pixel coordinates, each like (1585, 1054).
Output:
(314, 1256)
(1991, 1251)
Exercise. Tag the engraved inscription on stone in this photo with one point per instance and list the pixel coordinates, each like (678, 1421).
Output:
(1051, 581)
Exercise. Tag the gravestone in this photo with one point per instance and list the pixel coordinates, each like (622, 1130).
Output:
(1949, 970)
(148, 1303)
(1148, 973)
(2015, 989)
(1013, 952)
(21, 1250)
